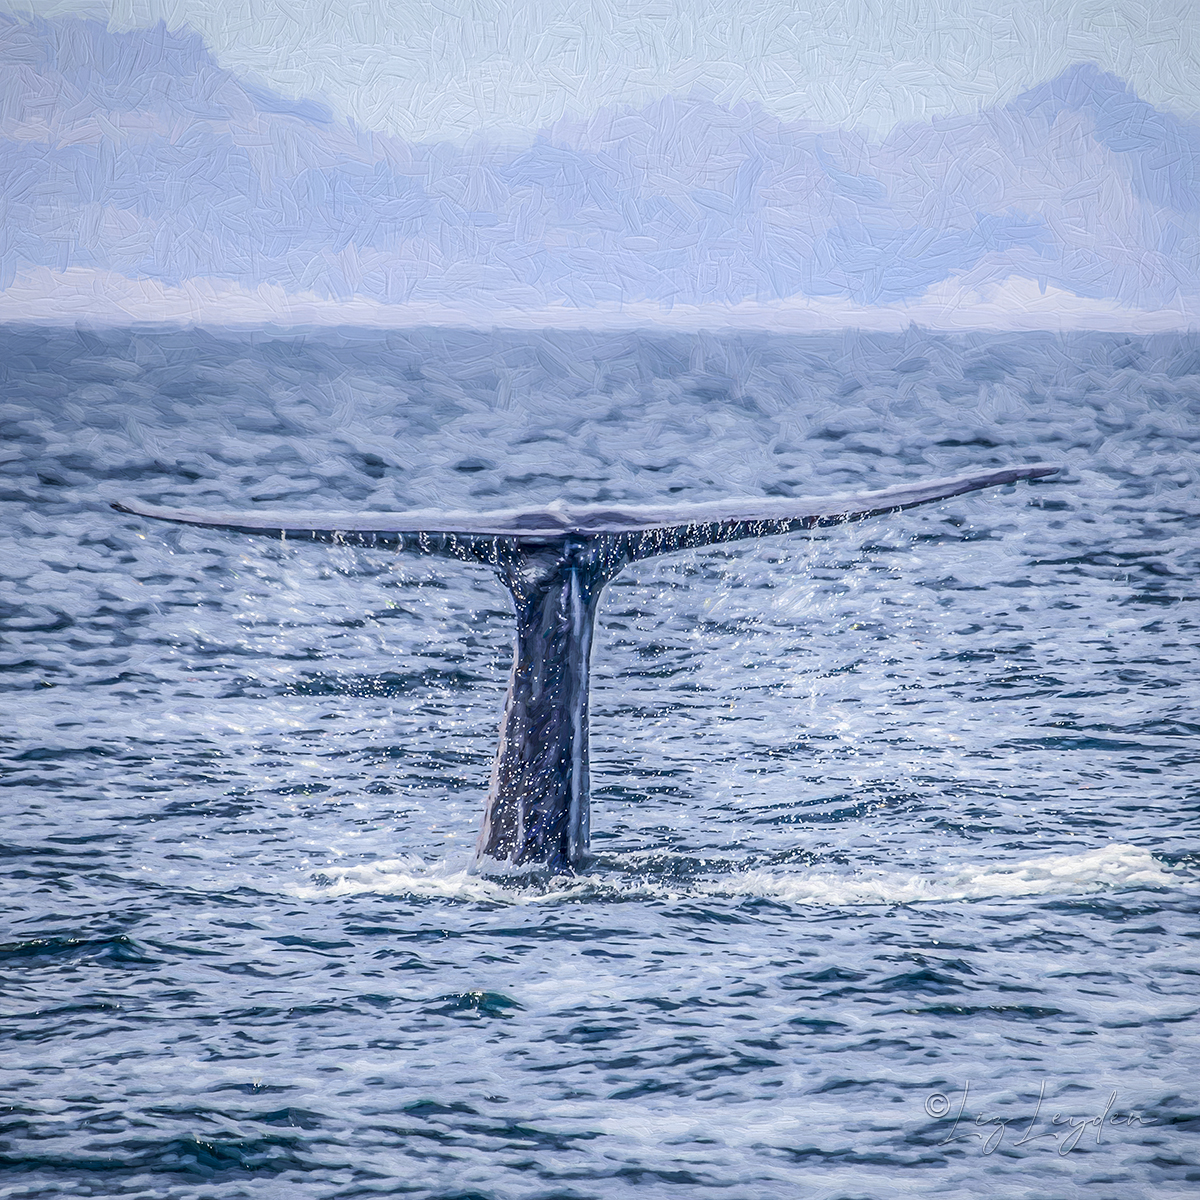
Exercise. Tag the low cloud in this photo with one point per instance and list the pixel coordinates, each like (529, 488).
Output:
(106, 298)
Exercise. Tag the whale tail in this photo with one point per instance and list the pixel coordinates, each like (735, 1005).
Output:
(555, 562)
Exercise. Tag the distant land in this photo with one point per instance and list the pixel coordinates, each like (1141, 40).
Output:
(140, 181)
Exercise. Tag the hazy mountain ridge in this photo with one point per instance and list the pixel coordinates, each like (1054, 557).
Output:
(137, 153)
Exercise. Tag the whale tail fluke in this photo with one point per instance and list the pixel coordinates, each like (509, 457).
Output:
(655, 529)
(555, 561)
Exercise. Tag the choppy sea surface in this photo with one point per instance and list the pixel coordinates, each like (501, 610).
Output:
(895, 888)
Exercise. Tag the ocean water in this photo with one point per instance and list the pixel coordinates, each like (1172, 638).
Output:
(895, 887)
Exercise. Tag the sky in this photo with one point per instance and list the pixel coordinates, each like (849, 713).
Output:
(700, 163)
(450, 69)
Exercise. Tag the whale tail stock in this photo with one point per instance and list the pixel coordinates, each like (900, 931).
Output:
(555, 562)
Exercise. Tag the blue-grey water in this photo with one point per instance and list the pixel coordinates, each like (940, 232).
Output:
(895, 889)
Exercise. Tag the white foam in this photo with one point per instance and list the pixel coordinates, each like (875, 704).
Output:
(1113, 867)
(405, 876)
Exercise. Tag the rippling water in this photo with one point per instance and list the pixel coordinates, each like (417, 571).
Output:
(895, 825)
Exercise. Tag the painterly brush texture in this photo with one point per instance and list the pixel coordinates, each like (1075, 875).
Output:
(135, 155)
(888, 881)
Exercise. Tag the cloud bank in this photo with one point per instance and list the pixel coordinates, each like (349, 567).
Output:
(106, 298)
